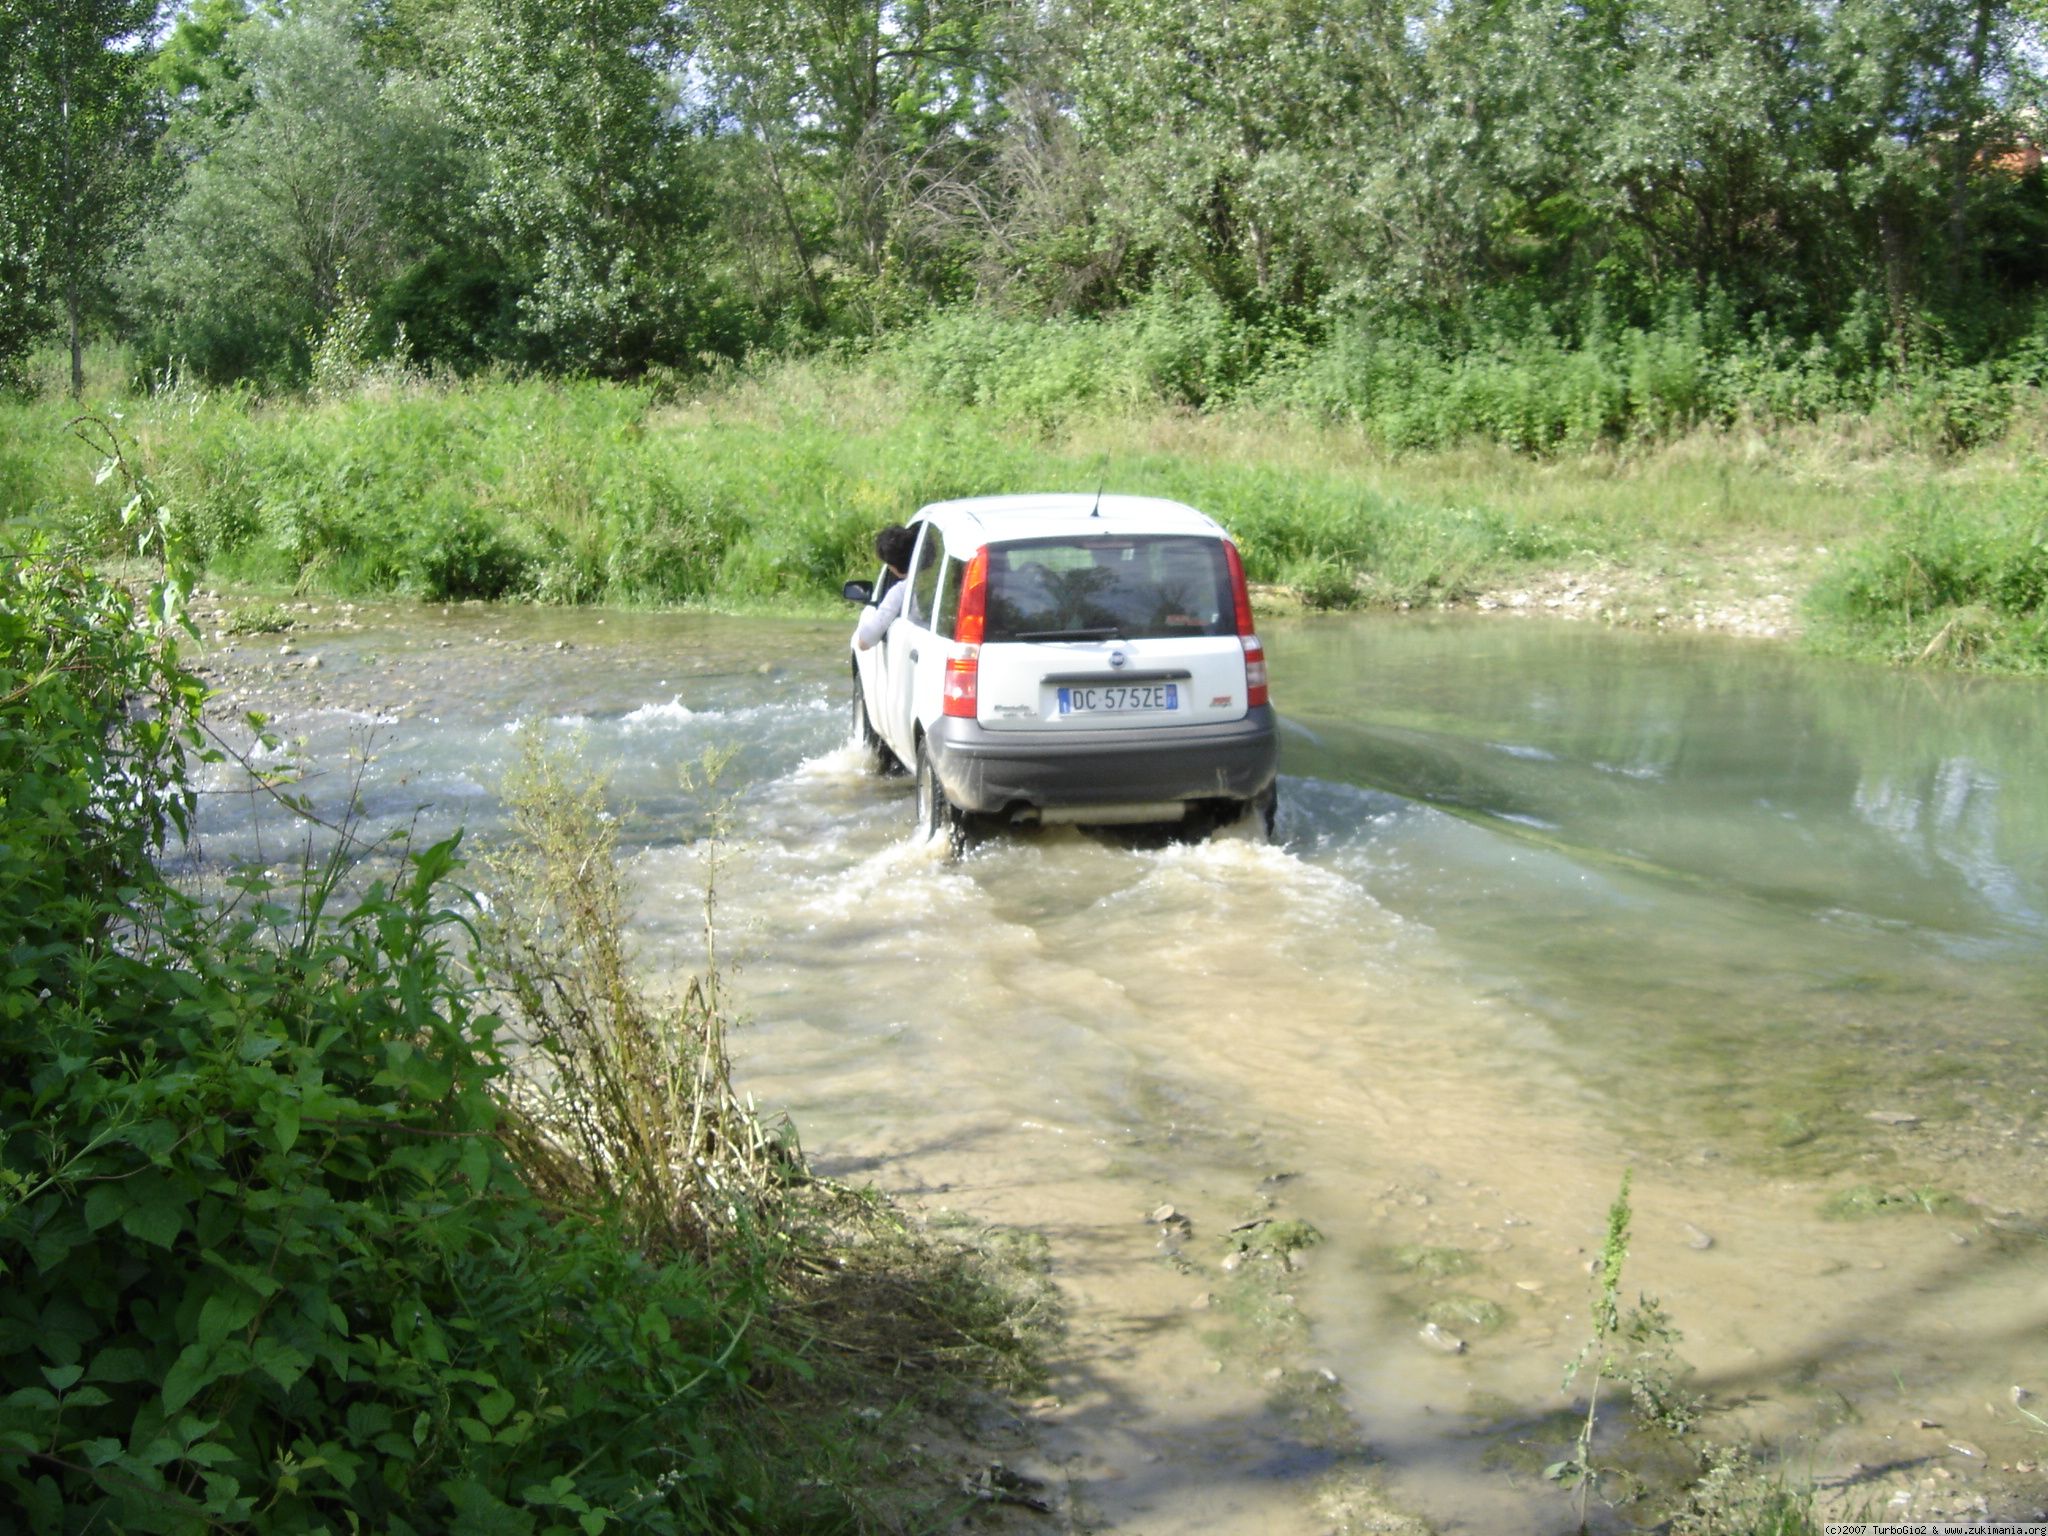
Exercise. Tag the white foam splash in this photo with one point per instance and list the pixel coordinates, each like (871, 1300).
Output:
(906, 878)
(674, 712)
(353, 716)
(1245, 867)
(844, 764)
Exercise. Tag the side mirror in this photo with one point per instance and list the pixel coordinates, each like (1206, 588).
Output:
(862, 592)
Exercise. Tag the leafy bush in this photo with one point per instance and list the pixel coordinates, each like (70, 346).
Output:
(1959, 408)
(462, 552)
(1321, 582)
(267, 1264)
(1180, 349)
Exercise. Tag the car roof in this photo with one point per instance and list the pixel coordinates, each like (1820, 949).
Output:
(980, 519)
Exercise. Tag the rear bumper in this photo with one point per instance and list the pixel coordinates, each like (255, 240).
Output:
(986, 771)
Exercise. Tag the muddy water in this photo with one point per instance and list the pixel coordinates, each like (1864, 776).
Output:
(1544, 904)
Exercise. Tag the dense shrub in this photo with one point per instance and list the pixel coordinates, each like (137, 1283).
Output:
(1505, 370)
(462, 551)
(266, 1263)
(1169, 348)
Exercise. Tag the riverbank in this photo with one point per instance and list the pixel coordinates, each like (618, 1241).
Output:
(1749, 592)
(760, 494)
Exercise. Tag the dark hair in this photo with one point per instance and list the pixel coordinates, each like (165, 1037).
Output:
(894, 544)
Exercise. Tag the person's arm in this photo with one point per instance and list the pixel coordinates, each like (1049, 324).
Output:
(876, 621)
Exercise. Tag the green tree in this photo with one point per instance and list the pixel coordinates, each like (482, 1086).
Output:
(198, 68)
(1794, 152)
(1221, 126)
(1289, 152)
(871, 125)
(589, 192)
(293, 204)
(21, 304)
(78, 166)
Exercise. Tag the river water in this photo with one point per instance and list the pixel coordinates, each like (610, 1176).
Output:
(1544, 904)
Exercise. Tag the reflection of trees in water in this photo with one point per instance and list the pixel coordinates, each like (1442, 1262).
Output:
(1911, 798)
(1785, 892)
(1951, 773)
(1947, 813)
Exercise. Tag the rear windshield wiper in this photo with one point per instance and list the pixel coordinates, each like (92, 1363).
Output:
(1113, 632)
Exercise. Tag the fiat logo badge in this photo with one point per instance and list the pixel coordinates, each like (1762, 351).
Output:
(1117, 658)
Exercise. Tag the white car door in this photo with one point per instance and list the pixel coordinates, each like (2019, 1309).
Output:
(909, 647)
(867, 665)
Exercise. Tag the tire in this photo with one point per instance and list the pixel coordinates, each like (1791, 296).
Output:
(936, 815)
(875, 756)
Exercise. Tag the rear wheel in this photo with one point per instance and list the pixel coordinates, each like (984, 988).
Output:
(936, 815)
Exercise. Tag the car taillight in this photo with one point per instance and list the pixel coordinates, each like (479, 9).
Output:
(1256, 692)
(971, 622)
(963, 672)
(963, 685)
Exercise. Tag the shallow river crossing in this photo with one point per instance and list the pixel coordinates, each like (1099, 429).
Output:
(1544, 903)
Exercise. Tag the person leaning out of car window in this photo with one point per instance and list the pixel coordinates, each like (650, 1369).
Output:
(894, 544)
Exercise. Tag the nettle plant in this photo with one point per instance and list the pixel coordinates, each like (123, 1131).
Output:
(264, 1261)
(1633, 1347)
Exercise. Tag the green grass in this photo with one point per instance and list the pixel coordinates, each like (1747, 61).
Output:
(1736, 1495)
(1948, 583)
(763, 492)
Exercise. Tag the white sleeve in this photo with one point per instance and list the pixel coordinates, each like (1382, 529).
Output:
(876, 621)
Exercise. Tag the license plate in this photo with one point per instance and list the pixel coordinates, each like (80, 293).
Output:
(1119, 698)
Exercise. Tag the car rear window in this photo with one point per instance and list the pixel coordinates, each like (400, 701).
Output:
(1141, 587)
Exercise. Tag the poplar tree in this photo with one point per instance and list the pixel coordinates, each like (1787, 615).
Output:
(75, 156)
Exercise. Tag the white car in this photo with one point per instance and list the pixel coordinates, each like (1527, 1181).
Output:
(1070, 658)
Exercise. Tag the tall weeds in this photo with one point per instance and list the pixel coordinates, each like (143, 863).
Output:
(1503, 370)
(1945, 586)
(619, 1103)
(764, 491)
(623, 1105)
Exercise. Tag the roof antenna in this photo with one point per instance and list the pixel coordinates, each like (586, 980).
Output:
(1096, 510)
